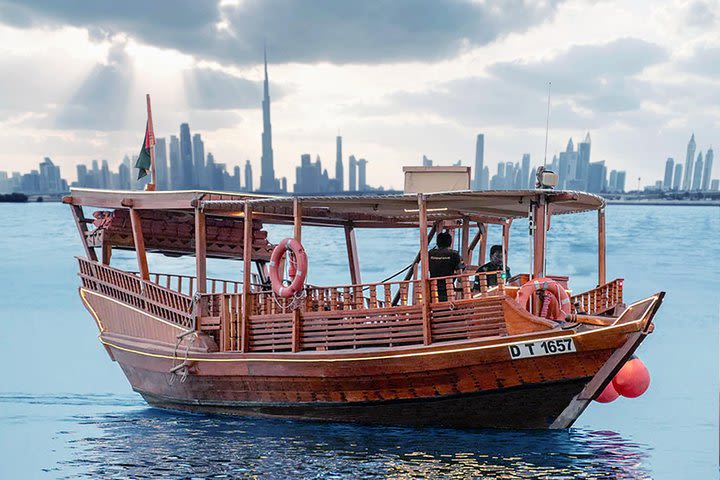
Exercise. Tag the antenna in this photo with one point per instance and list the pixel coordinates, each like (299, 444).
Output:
(547, 126)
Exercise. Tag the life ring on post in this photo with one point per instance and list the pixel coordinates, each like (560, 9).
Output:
(297, 267)
(555, 303)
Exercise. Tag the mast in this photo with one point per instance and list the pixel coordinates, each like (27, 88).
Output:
(151, 145)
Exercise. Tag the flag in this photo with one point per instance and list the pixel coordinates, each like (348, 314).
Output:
(144, 159)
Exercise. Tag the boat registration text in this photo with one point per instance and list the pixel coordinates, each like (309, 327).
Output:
(541, 348)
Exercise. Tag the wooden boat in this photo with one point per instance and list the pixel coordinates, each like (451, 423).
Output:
(392, 352)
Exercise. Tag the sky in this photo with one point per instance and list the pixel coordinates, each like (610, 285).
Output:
(398, 79)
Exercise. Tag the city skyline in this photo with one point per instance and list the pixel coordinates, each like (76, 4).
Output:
(641, 87)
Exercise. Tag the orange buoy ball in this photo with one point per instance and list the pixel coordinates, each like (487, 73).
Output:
(608, 395)
(633, 379)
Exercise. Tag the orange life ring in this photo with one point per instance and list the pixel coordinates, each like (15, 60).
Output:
(297, 268)
(556, 303)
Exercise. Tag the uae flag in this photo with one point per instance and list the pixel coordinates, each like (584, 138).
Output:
(144, 159)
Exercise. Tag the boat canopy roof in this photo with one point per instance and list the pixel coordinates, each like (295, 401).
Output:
(361, 210)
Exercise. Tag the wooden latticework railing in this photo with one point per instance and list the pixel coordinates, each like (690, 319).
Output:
(186, 284)
(130, 289)
(599, 300)
(381, 295)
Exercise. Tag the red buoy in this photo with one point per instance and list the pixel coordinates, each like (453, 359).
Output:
(633, 379)
(608, 395)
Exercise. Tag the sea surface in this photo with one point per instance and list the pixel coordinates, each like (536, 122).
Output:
(66, 410)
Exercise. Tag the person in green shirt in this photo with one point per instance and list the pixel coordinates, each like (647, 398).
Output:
(494, 265)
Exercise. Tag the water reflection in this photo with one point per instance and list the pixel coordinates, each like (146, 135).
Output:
(150, 443)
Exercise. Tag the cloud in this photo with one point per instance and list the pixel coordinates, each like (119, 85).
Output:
(591, 85)
(704, 61)
(209, 89)
(302, 31)
(101, 102)
(701, 14)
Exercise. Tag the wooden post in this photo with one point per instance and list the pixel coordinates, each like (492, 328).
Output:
(200, 251)
(247, 266)
(601, 247)
(482, 251)
(106, 253)
(424, 269)
(539, 238)
(506, 241)
(353, 260)
(465, 241)
(139, 244)
(77, 212)
(297, 314)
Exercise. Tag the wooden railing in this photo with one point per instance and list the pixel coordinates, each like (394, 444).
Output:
(327, 318)
(380, 295)
(128, 288)
(599, 300)
(186, 284)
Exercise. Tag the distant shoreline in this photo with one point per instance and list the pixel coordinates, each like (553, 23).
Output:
(669, 203)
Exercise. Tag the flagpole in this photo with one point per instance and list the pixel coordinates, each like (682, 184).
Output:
(151, 144)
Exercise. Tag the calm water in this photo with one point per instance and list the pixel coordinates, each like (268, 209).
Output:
(66, 410)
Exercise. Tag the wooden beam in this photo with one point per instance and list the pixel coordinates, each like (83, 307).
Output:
(139, 241)
(482, 251)
(79, 218)
(539, 238)
(506, 238)
(296, 343)
(200, 251)
(601, 247)
(353, 259)
(424, 269)
(465, 249)
(106, 253)
(247, 266)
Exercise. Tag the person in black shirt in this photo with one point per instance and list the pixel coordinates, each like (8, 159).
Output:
(444, 261)
(494, 265)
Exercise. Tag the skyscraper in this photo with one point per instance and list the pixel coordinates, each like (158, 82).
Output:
(248, 177)
(199, 177)
(708, 169)
(268, 183)
(162, 179)
(583, 161)
(697, 175)
(669, 166)
(687, 179)
(620, 182)
(176, 171)
(362, 178)
(524, 171)
(677, 177)
(478, 183)
(597, 174)
(339, 164)
(236, 184)
(186, 156)
(352, 170)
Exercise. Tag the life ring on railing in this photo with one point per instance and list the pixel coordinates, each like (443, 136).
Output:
(555, 303)
(297, 267)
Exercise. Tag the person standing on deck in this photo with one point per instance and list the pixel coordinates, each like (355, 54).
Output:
(444, 262)
(494, 265)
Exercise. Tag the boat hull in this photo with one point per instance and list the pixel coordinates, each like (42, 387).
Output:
(471, 384)
(527, 407)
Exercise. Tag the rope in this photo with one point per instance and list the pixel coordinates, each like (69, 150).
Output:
(393, 275)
